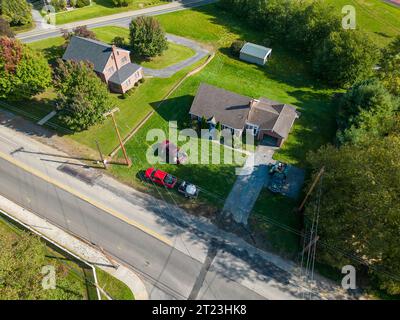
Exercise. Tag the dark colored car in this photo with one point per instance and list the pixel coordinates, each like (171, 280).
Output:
(172, 153)
(277, 182)
(161, 177)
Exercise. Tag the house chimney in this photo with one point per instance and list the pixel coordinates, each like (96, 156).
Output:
(253, 102)
(114, 51)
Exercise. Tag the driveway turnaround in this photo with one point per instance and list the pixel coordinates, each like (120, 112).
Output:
(171, 70)
(248, 186)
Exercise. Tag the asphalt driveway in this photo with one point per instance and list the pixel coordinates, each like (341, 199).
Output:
(247, 187)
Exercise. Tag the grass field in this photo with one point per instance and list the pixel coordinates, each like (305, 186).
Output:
(379, 19)
(100, 8)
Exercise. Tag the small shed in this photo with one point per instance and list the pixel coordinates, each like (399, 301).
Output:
(254, 53)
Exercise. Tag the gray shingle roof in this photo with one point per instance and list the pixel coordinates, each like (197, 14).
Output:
(82, 49)
(121, 75)
(233, 110)
(273, 116)
(226, 107)
(255, 50)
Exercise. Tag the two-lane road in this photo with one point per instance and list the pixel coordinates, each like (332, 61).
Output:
(166, 270)
(120, 19)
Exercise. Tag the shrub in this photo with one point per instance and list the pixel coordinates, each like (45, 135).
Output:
(59, 5)
(5, 29)
(236, 46)
(121, 3)
(82, 3)
(119, 42)
(16, 12)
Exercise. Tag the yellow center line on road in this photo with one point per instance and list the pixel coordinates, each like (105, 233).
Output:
(84, 198)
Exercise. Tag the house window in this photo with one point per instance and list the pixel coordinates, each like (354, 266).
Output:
(124, 60)
(128, 82)
(254, 129)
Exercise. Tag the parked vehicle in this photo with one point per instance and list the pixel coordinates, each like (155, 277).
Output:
(162, 178)
(189, 190)
(277, 181)
(172, 153)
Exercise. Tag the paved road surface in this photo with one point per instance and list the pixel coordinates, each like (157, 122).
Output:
(120, 19)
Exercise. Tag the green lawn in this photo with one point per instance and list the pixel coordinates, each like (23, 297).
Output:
(115, 288)
(100, 8)
(174, 54)
(379, 19)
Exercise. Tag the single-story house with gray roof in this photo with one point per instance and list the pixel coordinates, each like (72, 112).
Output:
(113, 65)
(254, 53)
(263, 117)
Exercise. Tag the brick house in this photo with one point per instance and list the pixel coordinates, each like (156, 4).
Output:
(265, 118)
(113, 65)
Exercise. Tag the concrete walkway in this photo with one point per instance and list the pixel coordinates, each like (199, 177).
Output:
(171, 70)
(248, 186)
(81, 249)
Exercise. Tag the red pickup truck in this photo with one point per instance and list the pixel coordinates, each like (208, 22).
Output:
(160, 177)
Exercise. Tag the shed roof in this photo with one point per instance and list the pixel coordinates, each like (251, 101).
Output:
(255, 50)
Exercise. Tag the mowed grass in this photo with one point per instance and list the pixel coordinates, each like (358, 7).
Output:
(114, 287)
(378, 18)
(100, 8)
(174, 54)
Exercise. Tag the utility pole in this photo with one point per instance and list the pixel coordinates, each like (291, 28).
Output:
(320, 173)
(111, 113)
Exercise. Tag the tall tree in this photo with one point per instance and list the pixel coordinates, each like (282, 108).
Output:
(360, 207)
(23, 71)
(147, 37)
(345, 57)
(16, 12)
(389, 71)
(83, 97)
(5, 29)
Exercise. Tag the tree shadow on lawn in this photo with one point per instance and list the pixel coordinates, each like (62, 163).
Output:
(175, 109)
(53, 53)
